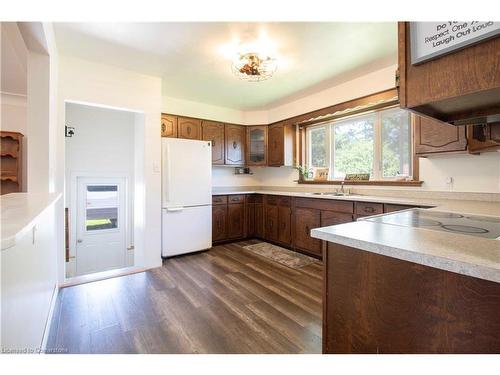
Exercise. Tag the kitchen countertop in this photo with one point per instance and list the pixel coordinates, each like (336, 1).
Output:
(19, 211)
(463, 254)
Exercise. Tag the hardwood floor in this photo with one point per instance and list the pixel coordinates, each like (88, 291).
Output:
(225, 300)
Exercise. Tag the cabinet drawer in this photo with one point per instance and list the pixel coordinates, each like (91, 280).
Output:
(368, 209)
(219, 199)
(396, 207)
(284, 201)
(236, 198)
(326, 204)
(271, 199)
(254, 198)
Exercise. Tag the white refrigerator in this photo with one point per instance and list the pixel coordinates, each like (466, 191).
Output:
(186, 196)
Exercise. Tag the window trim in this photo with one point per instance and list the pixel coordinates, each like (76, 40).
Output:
(377, 167)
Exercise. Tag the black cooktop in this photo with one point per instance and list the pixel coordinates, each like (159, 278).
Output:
(473, 225)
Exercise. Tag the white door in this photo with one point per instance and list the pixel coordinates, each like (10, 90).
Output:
(101, 226)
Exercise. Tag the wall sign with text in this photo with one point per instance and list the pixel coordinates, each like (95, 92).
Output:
(432, 39)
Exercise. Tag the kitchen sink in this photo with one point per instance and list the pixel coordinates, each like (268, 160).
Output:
(334, 194)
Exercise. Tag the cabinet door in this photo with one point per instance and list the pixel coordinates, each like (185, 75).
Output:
(214, 132)
(276, 145)
(219, 219)
(433, 136)
(189, 128)
(285, 225)
(250, 219)
(334, 218)
(259, 220)
(306, 219)
(271, 223)
(168, 126)
(256, 145)
(235, 144)
(235, 221)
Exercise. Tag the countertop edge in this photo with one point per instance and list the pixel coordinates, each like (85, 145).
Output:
(10, 241)
(429, 260)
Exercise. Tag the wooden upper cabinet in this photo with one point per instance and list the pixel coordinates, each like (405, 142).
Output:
(460, 85)
(256, 145)
(189, 128)
(235, 144)
(433, 136)
(214, 132)
(280, 148)
(168, 126)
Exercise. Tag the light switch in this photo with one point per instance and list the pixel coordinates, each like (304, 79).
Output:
(156, 167)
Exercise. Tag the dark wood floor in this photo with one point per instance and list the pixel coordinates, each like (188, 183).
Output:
(225, 300)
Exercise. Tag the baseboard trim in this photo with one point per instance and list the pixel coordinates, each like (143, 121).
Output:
(77, 280)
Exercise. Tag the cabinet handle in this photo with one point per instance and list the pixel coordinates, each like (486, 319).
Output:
(188, 130)
(369, 209)
(307, 230)
(213, 142)
(163, 128)
(235, 145)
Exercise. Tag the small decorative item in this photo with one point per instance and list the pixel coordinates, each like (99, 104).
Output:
(321, 174)
(304, 172)
(357, 177)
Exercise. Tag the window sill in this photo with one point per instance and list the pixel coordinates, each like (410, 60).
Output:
(370, 182)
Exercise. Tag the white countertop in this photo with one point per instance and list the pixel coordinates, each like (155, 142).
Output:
(468, 255)
(19, 211)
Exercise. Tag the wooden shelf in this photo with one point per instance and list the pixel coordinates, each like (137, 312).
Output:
(11, 154)
(369, 182)
(12, 178)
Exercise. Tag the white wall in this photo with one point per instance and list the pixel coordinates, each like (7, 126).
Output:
(83, 81)
(103, 146)
(201, 110)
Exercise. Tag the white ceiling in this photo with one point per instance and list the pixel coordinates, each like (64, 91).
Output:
(188, 56)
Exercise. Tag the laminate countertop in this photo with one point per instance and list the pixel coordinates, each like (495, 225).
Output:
(463, 254)
(19, 211)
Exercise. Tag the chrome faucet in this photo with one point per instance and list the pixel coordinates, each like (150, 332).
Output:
(342, 187)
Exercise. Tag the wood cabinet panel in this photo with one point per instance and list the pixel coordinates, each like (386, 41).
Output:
(189, 128)
(259, 220)
(433, 136)
(236, 198)
(214, 132)
(395, 207)
(334, 218)
(378, 304)
(235, 144)
(235, 221)
(276, 145)
(219, 199)
(271, 223)
(219, 222)
(325, 204)
(459, 85)
(285, 225)
(168, 126)
(256, 150)
(306, 219)
(368, 208)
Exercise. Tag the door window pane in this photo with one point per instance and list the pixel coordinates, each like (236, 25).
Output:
(318, 147)
(396, 150)
(353, 146)
(101, 206)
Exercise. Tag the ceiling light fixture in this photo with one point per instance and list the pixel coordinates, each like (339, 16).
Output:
(254, 67)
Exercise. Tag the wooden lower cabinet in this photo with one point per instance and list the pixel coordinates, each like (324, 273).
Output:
(219, 220)
(377, 304)
(306, 219)
(285, 225)
(271, 223)
(235, 221)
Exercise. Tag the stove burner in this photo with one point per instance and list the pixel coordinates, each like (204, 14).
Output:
(421, 222)
(486, 219)
(464, 229)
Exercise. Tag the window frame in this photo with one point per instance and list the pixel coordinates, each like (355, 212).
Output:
(377, 167)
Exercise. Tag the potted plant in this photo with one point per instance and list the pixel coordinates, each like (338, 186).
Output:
(304, 172)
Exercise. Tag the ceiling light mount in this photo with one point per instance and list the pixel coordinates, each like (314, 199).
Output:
(254, 67)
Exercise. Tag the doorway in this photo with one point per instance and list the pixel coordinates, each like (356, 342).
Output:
(102, 161)
(100, 224)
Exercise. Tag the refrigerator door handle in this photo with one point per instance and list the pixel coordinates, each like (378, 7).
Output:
(175, 209)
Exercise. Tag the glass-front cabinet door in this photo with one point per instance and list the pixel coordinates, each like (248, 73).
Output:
(257, 145)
